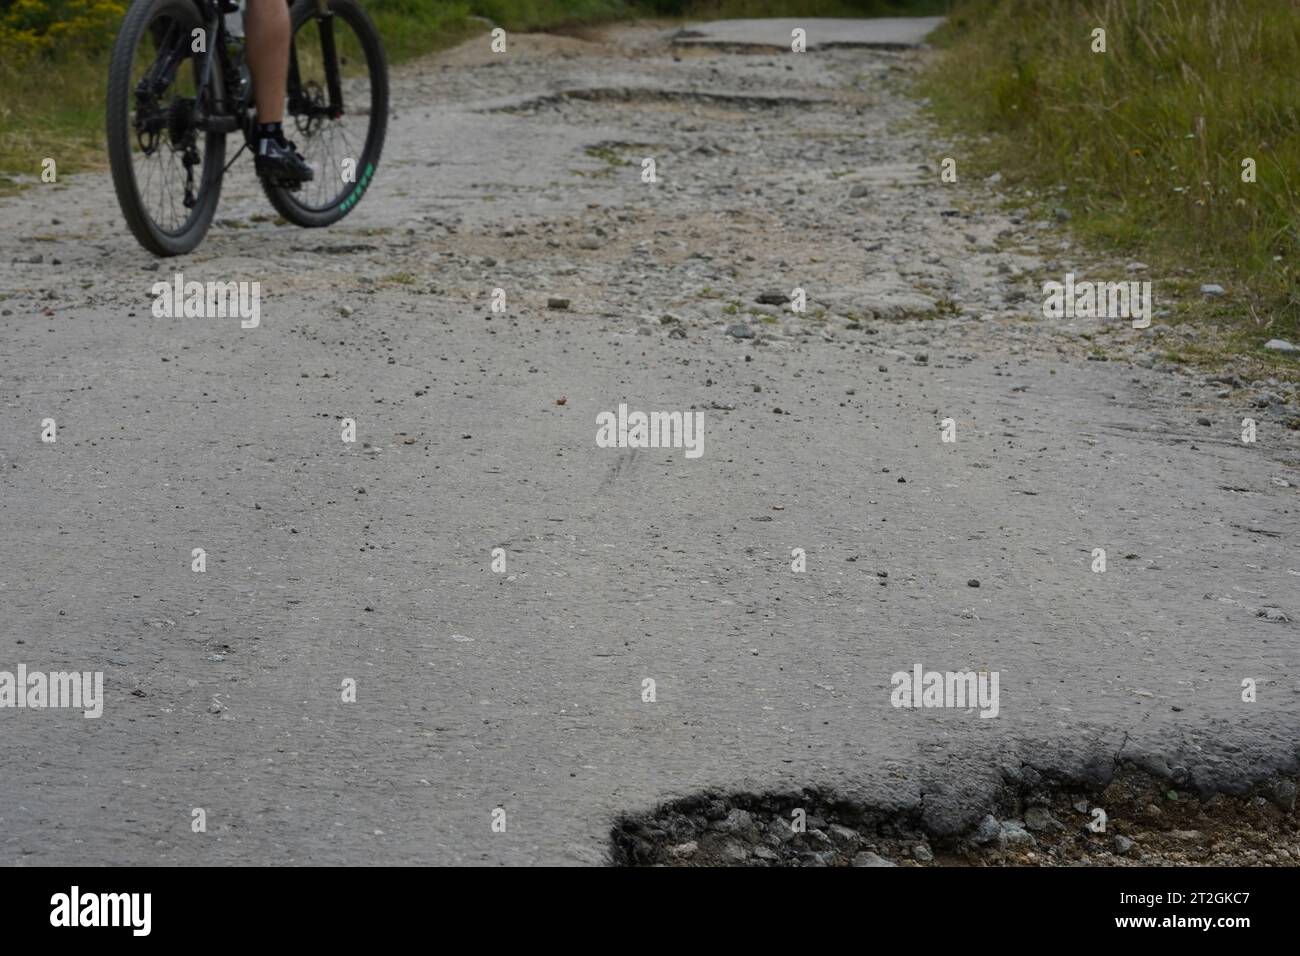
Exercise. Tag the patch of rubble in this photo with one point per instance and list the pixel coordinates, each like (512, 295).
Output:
(1135, 820)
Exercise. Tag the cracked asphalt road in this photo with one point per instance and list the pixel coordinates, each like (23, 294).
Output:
(522, 690)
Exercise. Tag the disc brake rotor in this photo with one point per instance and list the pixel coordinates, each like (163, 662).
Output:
(310, 115)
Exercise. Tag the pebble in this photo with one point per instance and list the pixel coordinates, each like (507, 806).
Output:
(867, 858)
(818, 837)
(737, 821)
(859, 192)
(1014, 834)
(1281, 345)
(1040, 818)
(844, 836)
(987, 831)
(1122, 844)
(1212, 289)
(733, 852)
(740, 331)
(1284, 795)
(780, 830)
(555, 303)
(923, 853)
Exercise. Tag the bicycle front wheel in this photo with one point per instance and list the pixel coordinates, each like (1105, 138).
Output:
(337, 110)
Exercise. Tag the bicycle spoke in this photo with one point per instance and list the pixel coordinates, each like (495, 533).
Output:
(158, 160)
(324, 141)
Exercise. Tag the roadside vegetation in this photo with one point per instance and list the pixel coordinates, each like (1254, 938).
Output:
(1179, 146)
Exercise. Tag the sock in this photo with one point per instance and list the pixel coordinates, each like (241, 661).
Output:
(273, 131)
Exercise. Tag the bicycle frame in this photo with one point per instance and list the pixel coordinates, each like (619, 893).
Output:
(222, 112)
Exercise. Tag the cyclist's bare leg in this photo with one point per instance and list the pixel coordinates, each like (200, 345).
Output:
(266, 26)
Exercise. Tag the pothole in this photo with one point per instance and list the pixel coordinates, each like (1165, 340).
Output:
(1135, 820)
(638, 94)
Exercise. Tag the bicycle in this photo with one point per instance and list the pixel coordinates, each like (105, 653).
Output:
(178, 85)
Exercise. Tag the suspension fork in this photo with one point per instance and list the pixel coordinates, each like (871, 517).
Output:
(326, 20)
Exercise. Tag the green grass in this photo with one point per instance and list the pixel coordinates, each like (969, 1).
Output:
(1144, 143)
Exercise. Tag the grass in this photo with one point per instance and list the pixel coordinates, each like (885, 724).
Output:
(1144, 143)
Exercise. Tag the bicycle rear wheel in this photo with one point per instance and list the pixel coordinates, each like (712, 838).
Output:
(166, 170)
(336, 119)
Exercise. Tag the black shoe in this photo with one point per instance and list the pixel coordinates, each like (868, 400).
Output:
(279, 163)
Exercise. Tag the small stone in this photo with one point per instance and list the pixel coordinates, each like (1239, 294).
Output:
(733, 852)
(1014, 834)
(1284, 794)
(1122, 844)
(557, 303)
(973, 583)
(844, 836)
(818, 838)
(923, 853)
(780, 831)
(1281, 345)
(737, 821)
(859, 192)
(1063, 215)
(1040, 818)
(1202, 420)
(766, 854)
(1212, 289)
(867, 858)
(987, 831)
(772, 297)
(740, 331)
(683, 850)
(822, 858)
